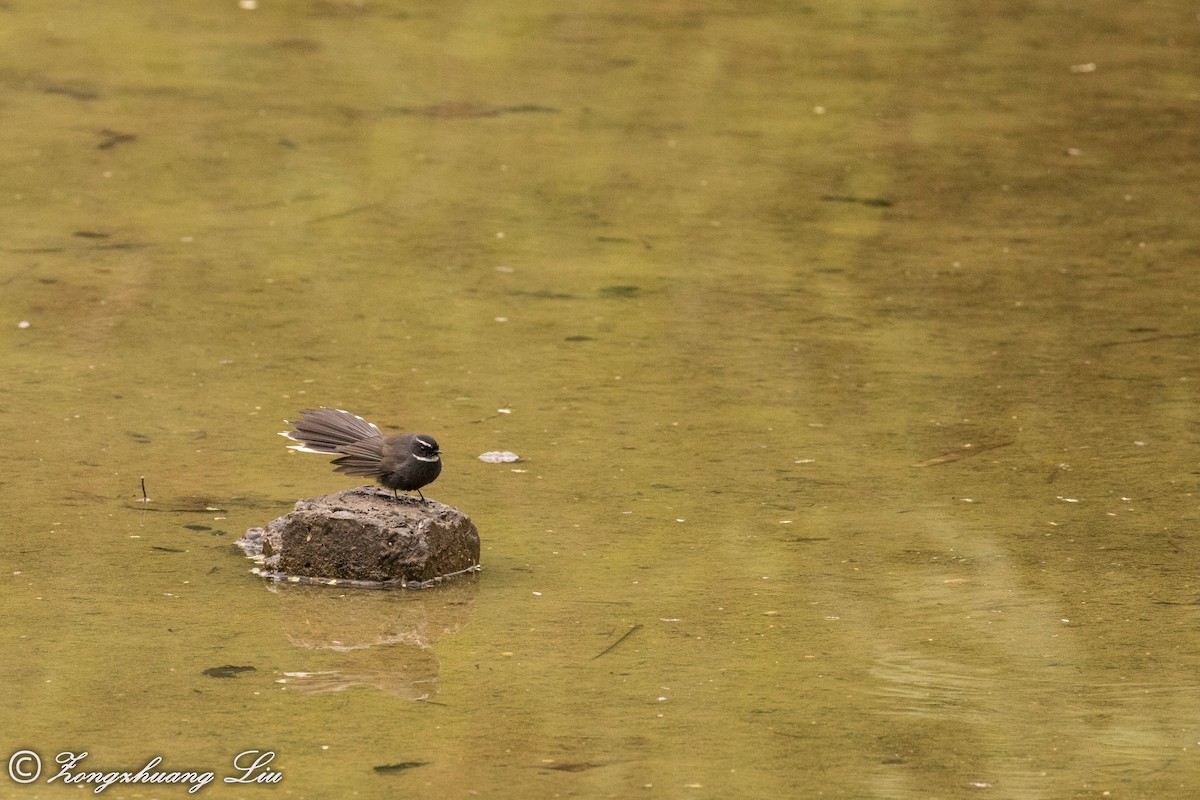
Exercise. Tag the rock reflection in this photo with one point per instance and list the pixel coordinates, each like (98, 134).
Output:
(384, 640)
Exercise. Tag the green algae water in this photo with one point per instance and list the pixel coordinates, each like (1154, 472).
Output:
(849, 350)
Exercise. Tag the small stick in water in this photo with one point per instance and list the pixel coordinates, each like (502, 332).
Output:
(965, 452)
(613, 646)
(145, 499)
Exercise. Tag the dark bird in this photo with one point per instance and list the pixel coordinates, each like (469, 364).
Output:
(401, 463)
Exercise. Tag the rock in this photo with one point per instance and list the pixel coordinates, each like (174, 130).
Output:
(365, 537)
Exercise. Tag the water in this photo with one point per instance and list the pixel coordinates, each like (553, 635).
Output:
(850, 353)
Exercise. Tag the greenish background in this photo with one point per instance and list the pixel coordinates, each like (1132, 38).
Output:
(850, 348)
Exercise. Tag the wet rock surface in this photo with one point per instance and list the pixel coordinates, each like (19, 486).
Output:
(365, 536)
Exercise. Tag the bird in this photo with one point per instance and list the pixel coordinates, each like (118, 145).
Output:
(402, 463)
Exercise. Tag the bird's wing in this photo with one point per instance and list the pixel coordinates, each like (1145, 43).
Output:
(362, 458)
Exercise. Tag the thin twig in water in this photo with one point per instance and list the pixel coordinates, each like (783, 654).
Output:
(341, 214)
(505, 409)
(613, 646)
(965, 452)
(1160, 337)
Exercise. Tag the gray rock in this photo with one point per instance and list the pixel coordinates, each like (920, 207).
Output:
(365, 537)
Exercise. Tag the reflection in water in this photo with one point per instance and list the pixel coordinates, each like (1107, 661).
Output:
(980, 664)
(385, 638)
(408, 673)
(912, 685)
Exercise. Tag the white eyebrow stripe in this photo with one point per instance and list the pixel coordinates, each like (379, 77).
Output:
(426, 442)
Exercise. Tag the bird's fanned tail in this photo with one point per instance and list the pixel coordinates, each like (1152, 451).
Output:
(330, 430)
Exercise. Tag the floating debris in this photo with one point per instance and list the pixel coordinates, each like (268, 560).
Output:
(966, 451)
(874, 202)
(576, 766)
(634, 629)
(227, 671)
(499, 457)
(400, 767)
(467, 110)
(111, 138)
(619, 291)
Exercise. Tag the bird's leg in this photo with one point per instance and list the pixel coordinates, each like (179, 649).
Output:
(423, 500)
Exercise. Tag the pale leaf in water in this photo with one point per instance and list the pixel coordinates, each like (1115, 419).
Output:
(499, 457)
